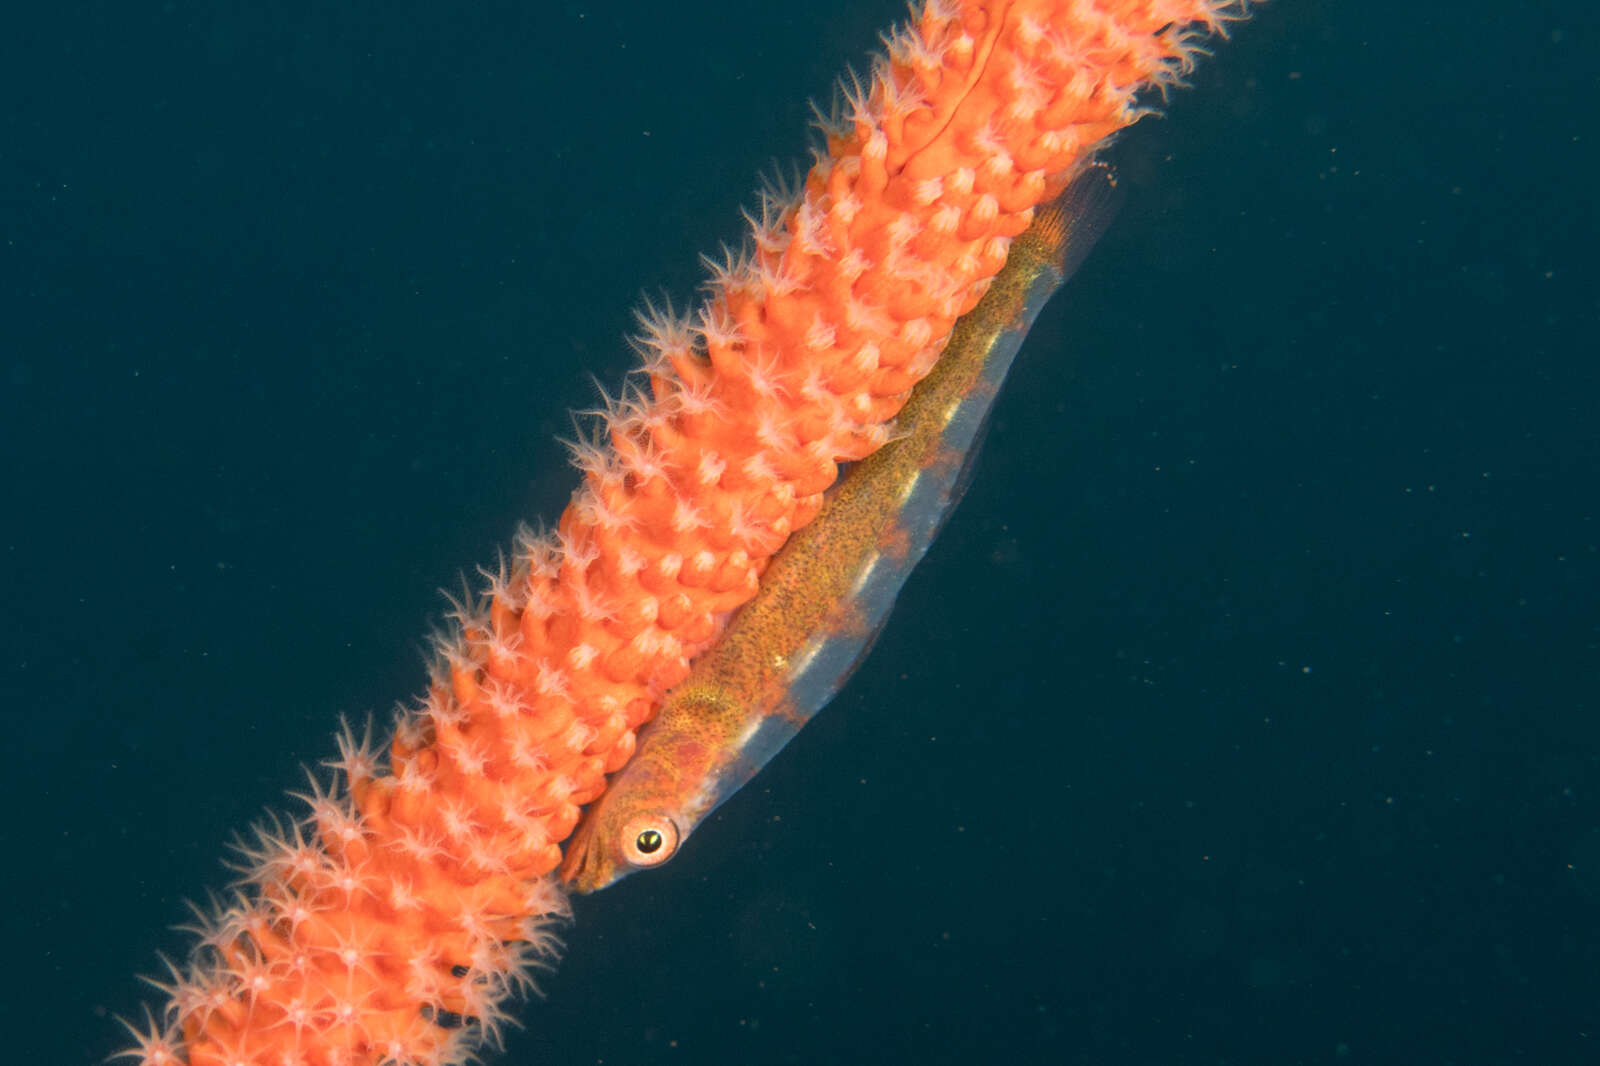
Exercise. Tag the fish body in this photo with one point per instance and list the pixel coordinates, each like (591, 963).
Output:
(829, 591)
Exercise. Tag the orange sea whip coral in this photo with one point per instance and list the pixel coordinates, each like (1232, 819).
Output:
(393, 921)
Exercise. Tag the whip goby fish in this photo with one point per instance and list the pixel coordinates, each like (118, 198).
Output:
(827, 594)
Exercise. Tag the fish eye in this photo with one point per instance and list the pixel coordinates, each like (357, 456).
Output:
(649, 840)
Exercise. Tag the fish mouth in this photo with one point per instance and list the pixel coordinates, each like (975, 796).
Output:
(582, 866)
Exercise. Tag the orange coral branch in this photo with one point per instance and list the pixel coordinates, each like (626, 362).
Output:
(392, 925)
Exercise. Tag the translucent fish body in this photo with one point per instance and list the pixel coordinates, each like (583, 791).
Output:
(829, 591)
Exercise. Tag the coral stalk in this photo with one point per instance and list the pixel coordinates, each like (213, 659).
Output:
(392, 922)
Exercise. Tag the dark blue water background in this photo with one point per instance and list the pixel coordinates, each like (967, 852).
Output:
(1245, 712)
